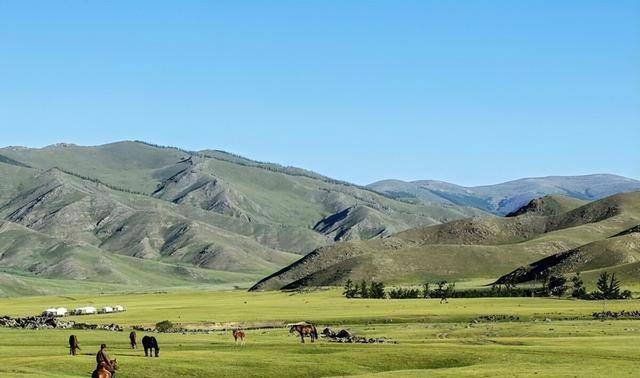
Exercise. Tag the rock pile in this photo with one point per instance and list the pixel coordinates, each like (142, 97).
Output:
(495, 318)
(634, 314)
(47, 322)
(34, 322)
(174, 330)
(104, 327)
(344, 336)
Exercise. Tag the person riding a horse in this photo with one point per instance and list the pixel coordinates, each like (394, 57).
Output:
(104, 362)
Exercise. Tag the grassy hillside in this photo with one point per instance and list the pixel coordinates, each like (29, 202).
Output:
(65, 206)
(549, 205)
(35, 263)
(464, 249)
(226, 184)
(619, 254)
(130, 203)
(507, 197)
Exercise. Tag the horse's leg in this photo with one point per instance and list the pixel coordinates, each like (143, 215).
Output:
(302, 337)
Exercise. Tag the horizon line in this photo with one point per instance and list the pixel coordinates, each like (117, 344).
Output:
(186, 150)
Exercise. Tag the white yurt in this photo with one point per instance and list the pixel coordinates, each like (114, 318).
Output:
(85, 310)
(60, 311)
(118, 308)
(106, 310)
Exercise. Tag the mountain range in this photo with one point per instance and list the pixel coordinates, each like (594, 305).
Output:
(501, 199)
(133, 214)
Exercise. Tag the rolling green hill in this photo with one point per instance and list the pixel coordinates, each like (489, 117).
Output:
(619, 253)
(133, 213)
(466, 249)
(132, 203)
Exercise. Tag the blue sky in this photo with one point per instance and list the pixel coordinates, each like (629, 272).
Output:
(473, 92)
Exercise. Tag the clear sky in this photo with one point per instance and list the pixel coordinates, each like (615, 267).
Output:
(473, 92)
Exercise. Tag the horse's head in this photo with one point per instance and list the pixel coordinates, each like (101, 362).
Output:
(114, 364)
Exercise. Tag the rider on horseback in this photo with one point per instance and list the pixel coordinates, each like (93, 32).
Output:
(103, 360)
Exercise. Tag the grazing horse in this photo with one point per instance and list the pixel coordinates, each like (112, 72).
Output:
(238, 334)
(150, 343)
(73, 345)
(102, 371)
(305, 329)
(132, 339)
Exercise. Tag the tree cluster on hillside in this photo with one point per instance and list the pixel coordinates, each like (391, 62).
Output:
(579, 290)
(377, 290)
(554, 285)
(363, 289)
(607, 287)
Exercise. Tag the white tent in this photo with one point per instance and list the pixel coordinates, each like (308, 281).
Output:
(106, 310)
(85, 310)
(60, 311)
(118, 308)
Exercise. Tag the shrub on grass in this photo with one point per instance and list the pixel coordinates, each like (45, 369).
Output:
(164, 326)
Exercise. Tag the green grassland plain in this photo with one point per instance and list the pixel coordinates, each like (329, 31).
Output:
(551, 337)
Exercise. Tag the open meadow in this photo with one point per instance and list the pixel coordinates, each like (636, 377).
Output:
(543, 337)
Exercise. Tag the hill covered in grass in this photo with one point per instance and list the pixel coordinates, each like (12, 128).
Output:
(134, 213)
(474, 248)
(617, 254)
(507, 197)
(90, 213)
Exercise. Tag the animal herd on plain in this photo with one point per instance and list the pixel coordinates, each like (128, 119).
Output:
(106, 367)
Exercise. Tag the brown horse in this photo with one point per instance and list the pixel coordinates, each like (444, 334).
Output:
(102, 371)
(238, 334)
(304, 329)
(132, 339)
(73, 345)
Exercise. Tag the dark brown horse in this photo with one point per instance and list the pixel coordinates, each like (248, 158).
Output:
(304, 329)
(102, 371)
(150, 345)
(238, 334)
(73, 345)
(132, 339)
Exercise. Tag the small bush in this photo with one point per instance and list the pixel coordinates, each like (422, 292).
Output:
(164, 326)
(404, 293)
